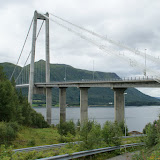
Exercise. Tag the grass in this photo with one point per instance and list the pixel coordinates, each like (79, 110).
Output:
(132, 140)
(68, 149)
(28, 137)
(152, 153)
(38, 105)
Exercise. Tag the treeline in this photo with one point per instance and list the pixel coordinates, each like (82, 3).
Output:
(15, 108)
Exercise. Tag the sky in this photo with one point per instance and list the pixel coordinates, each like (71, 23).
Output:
(133, 23)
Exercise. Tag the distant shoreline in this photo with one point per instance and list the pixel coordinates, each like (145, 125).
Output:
(92, 106)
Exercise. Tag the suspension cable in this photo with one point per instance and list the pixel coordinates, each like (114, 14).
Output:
(107, 49)
(29, 52)
(101, 47)
(137, 52)
(22, 49)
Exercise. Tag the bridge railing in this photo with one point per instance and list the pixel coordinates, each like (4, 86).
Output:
(147, 78)
(109, 79)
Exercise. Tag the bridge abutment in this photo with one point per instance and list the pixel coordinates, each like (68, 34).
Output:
(119, 104)
(62, 104)
(83, 104)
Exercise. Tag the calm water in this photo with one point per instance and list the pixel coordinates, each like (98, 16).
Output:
(136, 117)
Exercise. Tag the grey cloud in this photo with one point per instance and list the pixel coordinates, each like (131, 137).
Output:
(134, 23)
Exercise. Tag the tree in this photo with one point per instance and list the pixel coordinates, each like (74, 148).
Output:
(2, 74)
(8, 101)
(15, 107)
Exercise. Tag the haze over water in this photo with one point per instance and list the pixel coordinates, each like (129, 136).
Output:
(136, 117)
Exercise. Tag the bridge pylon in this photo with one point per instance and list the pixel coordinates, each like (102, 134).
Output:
(38, 16)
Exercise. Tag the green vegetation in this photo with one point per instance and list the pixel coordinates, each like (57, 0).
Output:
(29, 137)
(15, 111)
(97, 96)
(66, 127)
(91, 133)
(17, 117)
(15, 108)
(21, 126)
(8, 132)
(152, 141)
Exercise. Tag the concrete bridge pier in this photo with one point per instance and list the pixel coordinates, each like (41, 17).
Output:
(119, 104)
(49, 105)
(62, 104)
(83, 104)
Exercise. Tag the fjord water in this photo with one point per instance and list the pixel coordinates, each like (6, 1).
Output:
(136, 117)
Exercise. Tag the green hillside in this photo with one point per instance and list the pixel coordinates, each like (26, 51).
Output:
(97, 96)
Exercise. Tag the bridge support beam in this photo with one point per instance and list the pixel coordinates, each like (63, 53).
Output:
(83, 105)
(62, 104)
(119, 104)
(49, 105)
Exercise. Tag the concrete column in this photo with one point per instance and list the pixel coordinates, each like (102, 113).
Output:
(83, 105)
(62, 104)
(119, 104)
(31, 77)
(48, 90)
(49, 105)
(47, 49)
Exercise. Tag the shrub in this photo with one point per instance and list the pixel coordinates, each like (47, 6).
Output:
(90, 134)
(8, 132)
(152, 131)
(151, 137)
(122, 126)
(68, 138)
(111, 133)
(66, 127)
(6, 152)
(14, 125)
(37, 120)
(31, 142)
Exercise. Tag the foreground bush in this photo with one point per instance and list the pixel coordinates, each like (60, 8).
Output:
(66, 127)
(91, 136)
(152, 132)
(122, 126)
(111, 133)
(8, 132)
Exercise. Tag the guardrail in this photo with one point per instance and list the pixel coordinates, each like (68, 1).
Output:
(107, 80)
(133, 136)
(90, 152)
(43, 147)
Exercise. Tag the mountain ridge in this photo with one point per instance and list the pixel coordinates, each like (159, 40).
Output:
(97, 96)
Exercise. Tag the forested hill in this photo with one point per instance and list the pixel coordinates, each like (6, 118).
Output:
(97, 96)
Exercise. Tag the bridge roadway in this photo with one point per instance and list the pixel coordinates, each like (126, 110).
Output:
(114, 83)
(118, 85)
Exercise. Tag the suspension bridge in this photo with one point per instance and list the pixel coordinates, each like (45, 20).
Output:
(26, 76)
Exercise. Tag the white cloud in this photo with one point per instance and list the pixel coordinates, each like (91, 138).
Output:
(133, 22)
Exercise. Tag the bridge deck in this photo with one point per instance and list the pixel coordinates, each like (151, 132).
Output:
(117, 83)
